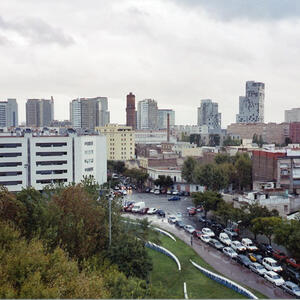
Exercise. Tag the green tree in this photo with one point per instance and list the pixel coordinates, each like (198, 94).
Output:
(266, 226)
(243, 166)
(222, 158)
(163, 181)
(214, 140)
(188, 169)
(137, 176)
(231, 142)
(209, 199)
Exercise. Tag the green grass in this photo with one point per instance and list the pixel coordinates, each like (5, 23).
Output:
(166, 274)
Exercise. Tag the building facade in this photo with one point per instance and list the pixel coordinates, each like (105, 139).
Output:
(270, 132)
(130, 111)
(162, 119)
(88, 113)
(295, 132)
(147, 115)
(292, 115)
(251, 106)
(120, 141)
(209, 115)
(39, 112)
(9, 113)
(38, 160)
(153, 137)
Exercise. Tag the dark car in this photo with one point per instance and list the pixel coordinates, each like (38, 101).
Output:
(279, 255)
(161, 213)
(266, 249)
(181, 193)
(186, 193)
(243, 260)
(147, 190)
(197, 234)
(174, 198)
(217, 226)
(216, 244)
(143, 211)
(292, 274)
(179, 224)
(202, 220)
(294, 263)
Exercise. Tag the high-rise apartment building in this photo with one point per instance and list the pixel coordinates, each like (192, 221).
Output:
(120, 141)
(89, 112)
(147, 114)
(292, 115)
(130, 111)
(162, 118)
(39, 112)
(9, 113)
(209, 115)
(251, 106)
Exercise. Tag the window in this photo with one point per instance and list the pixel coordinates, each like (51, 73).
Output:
(89, 161)
(49, 163)
(10, 164)
(10, 154)
(10, 145)
(10, 173)
(88, 143)
(50, 153)
(10, 182)
(51, 144)
(89, 169)
(88, 151)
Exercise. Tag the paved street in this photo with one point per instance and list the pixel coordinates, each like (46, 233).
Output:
(215, 258)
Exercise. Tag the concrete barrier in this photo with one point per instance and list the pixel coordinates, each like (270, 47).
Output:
(226, 282)
(164, 251)
(165, 233)
(185, 291)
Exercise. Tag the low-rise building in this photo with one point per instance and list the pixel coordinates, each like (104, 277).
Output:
(120, 141)
(38, 160)
(153, 137)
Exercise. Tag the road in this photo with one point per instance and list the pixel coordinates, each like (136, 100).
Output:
(215, 258)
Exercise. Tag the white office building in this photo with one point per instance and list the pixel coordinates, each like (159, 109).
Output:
(292, 115)
(162, 118)
(147, 114)
(209, 115)
(38, 160)
(251, 106)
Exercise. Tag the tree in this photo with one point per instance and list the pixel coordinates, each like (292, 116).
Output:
(243, 166)
(163, 181)
(231, 142)
(222, 158)
(188, 169)
(117, 166)
(212, 176)
(138, 176)
(266, 226)
(209, 199)
(196, 139)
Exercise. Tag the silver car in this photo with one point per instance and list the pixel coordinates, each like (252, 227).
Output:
(258, 269)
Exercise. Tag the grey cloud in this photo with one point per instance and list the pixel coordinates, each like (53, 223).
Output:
(248, 9)
(37, 31)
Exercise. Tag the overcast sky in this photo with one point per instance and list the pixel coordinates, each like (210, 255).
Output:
(174, 51)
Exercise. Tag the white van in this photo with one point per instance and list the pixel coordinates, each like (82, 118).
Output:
(138, 206)
(224, 238)
(271, 264)
(249, 245)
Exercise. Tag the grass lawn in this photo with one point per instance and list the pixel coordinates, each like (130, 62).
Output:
(165, 274)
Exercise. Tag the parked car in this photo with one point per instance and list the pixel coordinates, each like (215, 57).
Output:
(230, 252)
(192, 211)
(243, 260)
(199, 208)
(152, 211)
(174, 198)
(257, 268)
(152, 191)
(205, 238)
(172, 219)
(175, 193)
(178, 215)
(208, 232)
(279, 255)
(169, 192)
(223, 237)
(271, 264)
(189, 207)
(179, 224)
(202, 220)
(274, 278)
(292, 288)
(217, 226)
(293, 274)
(144, 210)
(230, 232)
(181, 193)
(249, 245)
(138, 206)
(186, 194)
(255, 257)
(189, 228)
(156, 192)
(237, 246)
(161, 213)
(266, 249)
(292, 262)
(216, 244)
(129, 208)
(197, 234)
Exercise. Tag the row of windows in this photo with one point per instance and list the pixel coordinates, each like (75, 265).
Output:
(49, 172)
(88, 143)
(89, 169)
(89, 160)
(10, 173)
(10, 164)
(49, 181)
(10, 145)
(51, 144)
(51, 163)
(88, 151)
(50, 153)
(11, 154)
(10, 182)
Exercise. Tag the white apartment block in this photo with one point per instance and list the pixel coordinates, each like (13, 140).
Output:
(39, 160)
(251, 106)
(9, 113)
(208, 114)
(120, 141)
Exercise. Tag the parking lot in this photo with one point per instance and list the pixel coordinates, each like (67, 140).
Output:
(215, 258)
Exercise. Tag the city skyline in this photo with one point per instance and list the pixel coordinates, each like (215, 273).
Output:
(206, 63)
